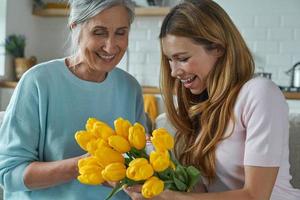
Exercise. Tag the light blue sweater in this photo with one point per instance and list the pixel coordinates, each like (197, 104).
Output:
(48, 106)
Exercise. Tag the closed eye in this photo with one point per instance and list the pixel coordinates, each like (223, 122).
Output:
(183, 59)
(122, 31)
(100, 32)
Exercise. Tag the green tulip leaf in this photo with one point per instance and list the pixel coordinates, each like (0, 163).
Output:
(170, 185)
(194, 176)
(181, 186)
(166, 174)
(182, 174)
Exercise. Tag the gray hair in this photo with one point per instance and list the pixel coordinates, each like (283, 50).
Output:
(83, 10)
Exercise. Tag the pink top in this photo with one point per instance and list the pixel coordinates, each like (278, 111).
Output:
(260, 138)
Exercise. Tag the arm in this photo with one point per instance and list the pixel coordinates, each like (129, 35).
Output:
(46, 174)
(21, 144)
(256, 179)
(259, 182)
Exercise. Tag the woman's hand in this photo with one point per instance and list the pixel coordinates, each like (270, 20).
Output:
(110, 184)
(134, 192)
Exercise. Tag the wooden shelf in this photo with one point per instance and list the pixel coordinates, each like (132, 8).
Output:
(51, 12)
(8, 84)
(151, 90)
(292, 95)
(63, 12)
(288, 95)
(152, 11)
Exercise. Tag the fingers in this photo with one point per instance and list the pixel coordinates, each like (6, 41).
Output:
(110, 183)
(134, 188)
(85, 155)
(134, 192)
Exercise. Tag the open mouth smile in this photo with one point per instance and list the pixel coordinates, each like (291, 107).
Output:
(188, 80)
(106, 57)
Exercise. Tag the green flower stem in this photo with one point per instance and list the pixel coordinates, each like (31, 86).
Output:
(116, 189)
(129, 155)
(138, 153)
(174, 160)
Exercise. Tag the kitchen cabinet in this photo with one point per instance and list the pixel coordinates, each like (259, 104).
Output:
(63, 12)
(6, 91)
(5, 95)
(7, 87)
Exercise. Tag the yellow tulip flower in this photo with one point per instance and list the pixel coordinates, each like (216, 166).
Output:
(102, 130)
(93, 145)
(107, 155)
(122, 127)
(152, 187)
(162, 140)
(90, 124)
(83, 138)
(139, 169)
(91, 160)
(91, 179)
(137, 136)
(119, 143)
(90, 171)
(160, 160)
(114, 172)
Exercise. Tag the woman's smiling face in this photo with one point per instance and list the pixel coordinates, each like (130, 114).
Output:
(104, 38)
(190, 62)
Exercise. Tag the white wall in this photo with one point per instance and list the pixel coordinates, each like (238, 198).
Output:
(45, 36)
(2, 35)
(271, 29)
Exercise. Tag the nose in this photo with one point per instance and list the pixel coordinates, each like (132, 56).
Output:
(175, 69)
(110, 45)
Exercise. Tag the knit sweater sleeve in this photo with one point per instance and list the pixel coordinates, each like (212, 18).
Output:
(19, 135)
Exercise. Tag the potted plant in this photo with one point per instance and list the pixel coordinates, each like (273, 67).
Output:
(15, 46)
(38, 3)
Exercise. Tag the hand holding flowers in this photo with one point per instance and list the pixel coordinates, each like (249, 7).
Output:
(119, 155)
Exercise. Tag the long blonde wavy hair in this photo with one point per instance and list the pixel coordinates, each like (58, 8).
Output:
(206, 23)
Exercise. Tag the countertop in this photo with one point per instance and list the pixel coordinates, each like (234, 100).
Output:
(152, 90)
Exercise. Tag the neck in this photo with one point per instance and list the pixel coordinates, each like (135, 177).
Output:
(84, 71)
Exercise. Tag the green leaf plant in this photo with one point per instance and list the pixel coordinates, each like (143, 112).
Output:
(15, 45)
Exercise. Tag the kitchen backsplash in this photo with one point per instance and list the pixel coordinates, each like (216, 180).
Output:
(271, 29)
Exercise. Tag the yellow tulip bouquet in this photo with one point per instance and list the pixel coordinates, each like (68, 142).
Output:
(119, 155)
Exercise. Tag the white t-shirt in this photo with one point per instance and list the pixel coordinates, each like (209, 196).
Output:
(260, 138)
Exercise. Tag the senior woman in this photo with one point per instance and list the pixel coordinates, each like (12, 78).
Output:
(39, 155)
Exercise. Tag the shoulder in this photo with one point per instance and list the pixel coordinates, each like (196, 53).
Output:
(44, 69)
(260, 87)
(125, 79)
(38, 77)
(261, 94)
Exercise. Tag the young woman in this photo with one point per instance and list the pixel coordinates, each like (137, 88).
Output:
(231, 126)
(39, 154)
